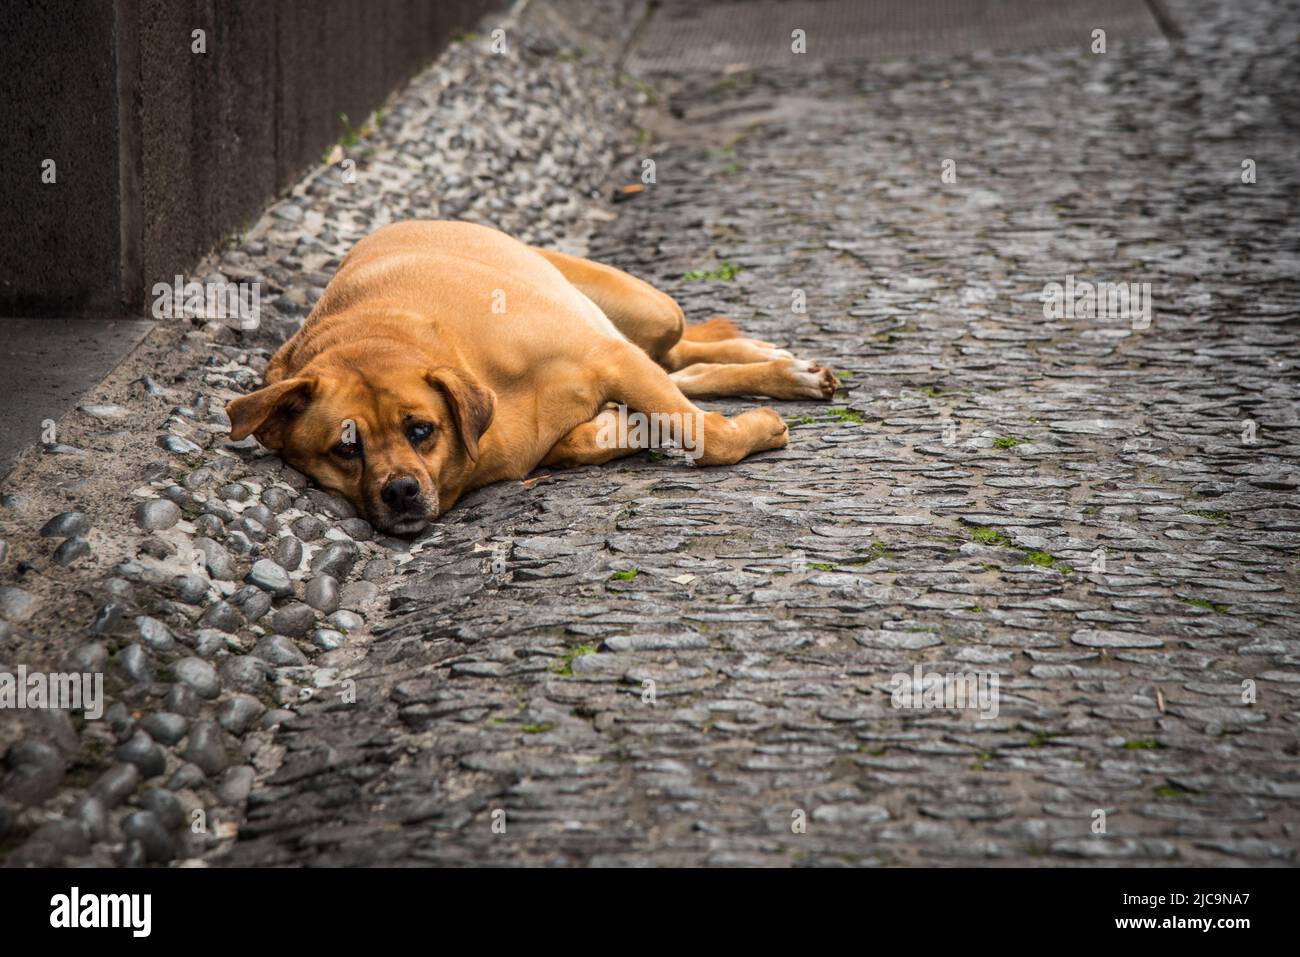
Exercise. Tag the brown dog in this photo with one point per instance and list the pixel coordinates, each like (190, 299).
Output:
(444, 356)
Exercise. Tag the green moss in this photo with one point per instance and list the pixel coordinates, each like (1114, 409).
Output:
(627, 576)
(981, 762)
(988, 536)
(1218, 518)
(350, 136)
(1045, 560)
(846, 415)
(822, 566)
(1207, 605)
(541, 728)
(1008, 442)
(802, 420)
(1143, 744)
(1171, 792)
(877, 551)
(565, 665)
(725, 272)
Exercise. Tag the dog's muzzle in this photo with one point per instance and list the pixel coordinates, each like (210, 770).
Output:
(405, 510)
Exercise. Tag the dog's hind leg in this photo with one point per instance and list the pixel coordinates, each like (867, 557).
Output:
(653, 321)
(717, 328)
(649, 318)
(711, 330)
(727, 351)
(777, 379)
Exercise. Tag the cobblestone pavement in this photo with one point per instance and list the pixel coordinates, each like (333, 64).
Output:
(768, 606)
(649, 663)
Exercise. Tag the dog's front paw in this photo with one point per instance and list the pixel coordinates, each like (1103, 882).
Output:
(778, 433)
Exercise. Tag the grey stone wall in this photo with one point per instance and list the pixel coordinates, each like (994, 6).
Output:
(161, 152)
(59, 245)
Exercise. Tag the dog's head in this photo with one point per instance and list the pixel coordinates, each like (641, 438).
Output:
(389, 442)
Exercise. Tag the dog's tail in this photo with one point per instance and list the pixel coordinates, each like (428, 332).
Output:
(711, 330)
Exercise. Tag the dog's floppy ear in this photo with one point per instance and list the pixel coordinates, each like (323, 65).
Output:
(472, 404)
(268, 410)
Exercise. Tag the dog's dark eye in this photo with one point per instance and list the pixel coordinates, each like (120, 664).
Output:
(418, 432)
(347, 450)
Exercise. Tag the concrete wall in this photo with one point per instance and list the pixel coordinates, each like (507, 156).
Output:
(59, 243)
(163, 152)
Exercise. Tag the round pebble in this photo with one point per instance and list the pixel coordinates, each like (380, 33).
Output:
(144, 826)
(288, 553)
(141, 751)
(357, 528)
(308, 528)
(116, 784)
(35, 771)
(345, 620)
(279, 651)
(165, 727)
(157, 514)
(216, 559)
(327, 639)
(322, 593)
(336, 559)
(135, 664)
(198, 675)
(154, 633)
(239, 712)
(71, 550)
(276, 499)
(244, 672)
(66, 525)
(223, 616)
(206, 748)
(293, 619)
(270, 577)
(191, 589)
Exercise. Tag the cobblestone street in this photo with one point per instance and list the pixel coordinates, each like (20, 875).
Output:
(652, 663)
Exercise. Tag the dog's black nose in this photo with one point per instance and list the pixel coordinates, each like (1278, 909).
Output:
(401, 494)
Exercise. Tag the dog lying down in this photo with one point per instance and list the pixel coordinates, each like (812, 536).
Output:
(444, 356)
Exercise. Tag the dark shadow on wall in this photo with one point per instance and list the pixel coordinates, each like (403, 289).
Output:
(132, 145)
